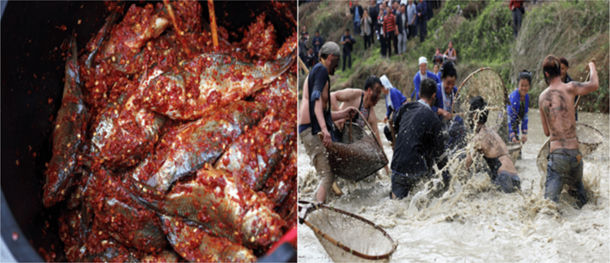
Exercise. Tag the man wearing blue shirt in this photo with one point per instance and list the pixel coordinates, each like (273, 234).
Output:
(357, 11)
(422, 74)
(446, 92)
(518, 108)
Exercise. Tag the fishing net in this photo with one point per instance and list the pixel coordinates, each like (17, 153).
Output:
(589, 139)
(513, 151)
(487, 83)
(359, 159)
(346, 237)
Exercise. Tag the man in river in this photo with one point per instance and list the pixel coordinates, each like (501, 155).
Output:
(419, 141)
(315, 115)
(495, 152)
(363, 100)
(558, 121)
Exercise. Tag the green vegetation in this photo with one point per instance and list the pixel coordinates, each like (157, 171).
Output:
(483, 37)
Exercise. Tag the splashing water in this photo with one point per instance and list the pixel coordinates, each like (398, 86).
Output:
(471, 220)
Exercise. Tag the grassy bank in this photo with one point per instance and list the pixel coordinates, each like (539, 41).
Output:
(482, 35)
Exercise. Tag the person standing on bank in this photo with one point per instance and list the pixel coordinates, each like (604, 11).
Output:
(516, 6)
(315, 116)
(367, 31)
(412, 19)
(389, 29)
(419, 142)
(557, 116)
(518, 108)
(348, 44)
(317, 43)
(373, 13)
(422, 12)
(401, 20)
(357, 11)
(421, 75)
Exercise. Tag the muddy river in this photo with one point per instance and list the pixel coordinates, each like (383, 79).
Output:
(473, 222)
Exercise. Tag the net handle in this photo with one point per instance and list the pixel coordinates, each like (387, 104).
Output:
(312, 206)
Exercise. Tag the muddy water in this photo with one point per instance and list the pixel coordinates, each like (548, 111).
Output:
(472, 222)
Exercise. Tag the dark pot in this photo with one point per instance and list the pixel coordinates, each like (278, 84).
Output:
(32, 72)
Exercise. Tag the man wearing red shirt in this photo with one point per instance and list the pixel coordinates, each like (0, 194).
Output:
(389, 29)
(518, 10)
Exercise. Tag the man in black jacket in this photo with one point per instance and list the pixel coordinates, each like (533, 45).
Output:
(419, 142)
(401, 19)
(348, 44)
(357, 11)
(373, 13)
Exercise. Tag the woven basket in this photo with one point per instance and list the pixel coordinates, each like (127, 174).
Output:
(357, 160)
(589, 140)
(346, 237)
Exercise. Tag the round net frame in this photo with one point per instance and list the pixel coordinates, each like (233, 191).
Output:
(487, 83)
(346, 237)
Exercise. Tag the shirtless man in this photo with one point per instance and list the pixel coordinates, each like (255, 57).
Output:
(558, 121)
(363, 100)
(315, 115)
(495, 152)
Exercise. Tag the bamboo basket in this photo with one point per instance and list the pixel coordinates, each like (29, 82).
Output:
(359, 159)
(346, 237)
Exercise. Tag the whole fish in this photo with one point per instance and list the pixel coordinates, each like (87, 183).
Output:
(71, 229)
(125, 132)
(68, 134)
(255, 154)
(189, 147)
(227, 209)
(95, 44)
(207, 82)
(195, 245)
(283, 180)
(139, 25)
(281, 94)
(121, 216)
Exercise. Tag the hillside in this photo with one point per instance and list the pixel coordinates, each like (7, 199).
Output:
(482, 35)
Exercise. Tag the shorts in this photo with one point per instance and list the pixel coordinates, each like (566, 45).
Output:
(317, 153)
(507, 181)
(565, 167)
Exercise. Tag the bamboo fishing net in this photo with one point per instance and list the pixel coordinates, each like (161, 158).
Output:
(487, 83)
(513, 151)
(359, 159)
(346, 237)
(589, 140)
